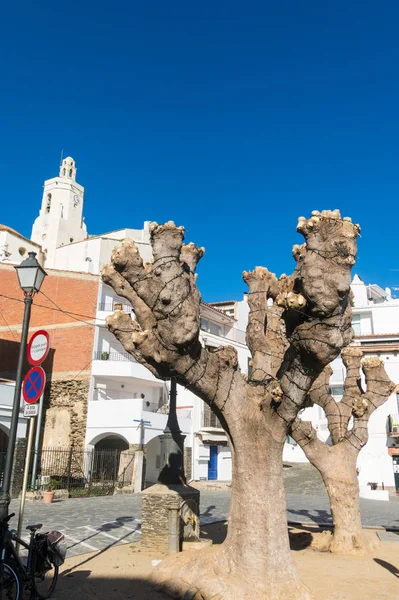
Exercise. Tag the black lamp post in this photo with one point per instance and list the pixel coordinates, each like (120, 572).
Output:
(30, 276)
(172, 445)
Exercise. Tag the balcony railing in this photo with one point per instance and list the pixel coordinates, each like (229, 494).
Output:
(234, 335)
(393, 425)
(113, 356)
(110, 306)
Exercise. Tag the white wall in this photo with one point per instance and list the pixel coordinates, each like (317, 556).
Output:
(74, 257)
(224, 463)
(10, 245)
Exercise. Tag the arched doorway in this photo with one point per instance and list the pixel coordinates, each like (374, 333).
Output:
(106, 457)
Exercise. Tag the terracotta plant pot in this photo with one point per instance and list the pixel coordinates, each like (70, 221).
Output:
(48, 497)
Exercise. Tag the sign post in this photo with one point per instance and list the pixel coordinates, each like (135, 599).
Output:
(37, 442)
(32, 389)
(25, 480)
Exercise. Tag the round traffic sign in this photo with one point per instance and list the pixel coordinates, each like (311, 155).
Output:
(38, 347)
(33, 385)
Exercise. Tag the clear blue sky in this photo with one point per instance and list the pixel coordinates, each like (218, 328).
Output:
(231, 118)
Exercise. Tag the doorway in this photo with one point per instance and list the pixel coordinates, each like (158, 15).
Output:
(213, 463)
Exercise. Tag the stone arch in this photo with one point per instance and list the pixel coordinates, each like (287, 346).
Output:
(100, 440)
(106, 456)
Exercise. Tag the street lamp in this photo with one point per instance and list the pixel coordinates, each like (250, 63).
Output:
(172, 445)
(30, 276)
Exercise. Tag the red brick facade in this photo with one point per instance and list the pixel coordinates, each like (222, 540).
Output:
(71, 340)
(68, 365)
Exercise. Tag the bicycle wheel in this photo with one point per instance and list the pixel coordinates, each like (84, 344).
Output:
(44, 577)
(10, 587)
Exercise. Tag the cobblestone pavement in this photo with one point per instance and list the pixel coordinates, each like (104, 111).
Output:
(89, 524)
(93, 524)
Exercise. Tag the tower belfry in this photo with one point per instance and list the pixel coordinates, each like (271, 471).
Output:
(68, 169)
(60, 221)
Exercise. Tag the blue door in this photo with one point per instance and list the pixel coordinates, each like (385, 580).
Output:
(213, 463)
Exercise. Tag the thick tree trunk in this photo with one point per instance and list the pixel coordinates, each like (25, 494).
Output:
(342, 487)
(255, 560)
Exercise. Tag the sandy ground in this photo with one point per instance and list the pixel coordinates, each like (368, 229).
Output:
(121, 572)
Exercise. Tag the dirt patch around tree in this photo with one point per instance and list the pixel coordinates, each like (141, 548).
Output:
(121, 572)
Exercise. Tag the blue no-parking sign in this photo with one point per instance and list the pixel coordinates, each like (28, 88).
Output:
(33, 385)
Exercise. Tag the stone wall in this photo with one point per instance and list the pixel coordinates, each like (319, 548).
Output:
(156, 502)
(66, 413)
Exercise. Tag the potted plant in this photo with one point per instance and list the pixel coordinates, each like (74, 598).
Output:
(48, 492)
(104, 355)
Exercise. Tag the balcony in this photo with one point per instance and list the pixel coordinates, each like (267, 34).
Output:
(393, 425)
(110, 306)
(112, 363)
(113, 356)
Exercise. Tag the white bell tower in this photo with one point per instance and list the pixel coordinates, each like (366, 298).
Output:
(60, 221)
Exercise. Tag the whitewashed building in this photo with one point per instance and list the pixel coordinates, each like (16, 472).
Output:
(127, 404)
(376, 326)
(14, 247)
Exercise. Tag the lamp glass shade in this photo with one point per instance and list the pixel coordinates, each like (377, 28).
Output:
(30, 274)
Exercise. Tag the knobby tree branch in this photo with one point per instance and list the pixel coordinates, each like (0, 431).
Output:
(347, 419)
(297, 324)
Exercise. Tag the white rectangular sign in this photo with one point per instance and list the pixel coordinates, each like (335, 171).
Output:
(31, 410)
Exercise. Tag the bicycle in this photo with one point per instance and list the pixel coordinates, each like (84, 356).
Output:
(38, 575)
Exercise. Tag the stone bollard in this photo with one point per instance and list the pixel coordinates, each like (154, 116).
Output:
(174, 530)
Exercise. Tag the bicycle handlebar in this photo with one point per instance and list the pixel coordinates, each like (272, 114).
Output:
(8, 517)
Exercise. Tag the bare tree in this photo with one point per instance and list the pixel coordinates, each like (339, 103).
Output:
(348, 426)
(297, 325)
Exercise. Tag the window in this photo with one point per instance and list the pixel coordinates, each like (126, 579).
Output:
(70, 172)
(336, 391)
(211, 327)
(48, 203)
(64, 172)
(209, 418)
(356, 324)
(397, 400)
(362, 324)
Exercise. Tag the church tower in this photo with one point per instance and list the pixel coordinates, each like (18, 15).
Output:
(60, 221)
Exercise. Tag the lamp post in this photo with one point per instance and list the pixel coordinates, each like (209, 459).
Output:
(172, 445)
(30, 276)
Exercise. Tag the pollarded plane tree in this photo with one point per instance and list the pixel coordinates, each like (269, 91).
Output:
(347, 422)
(297, 325)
